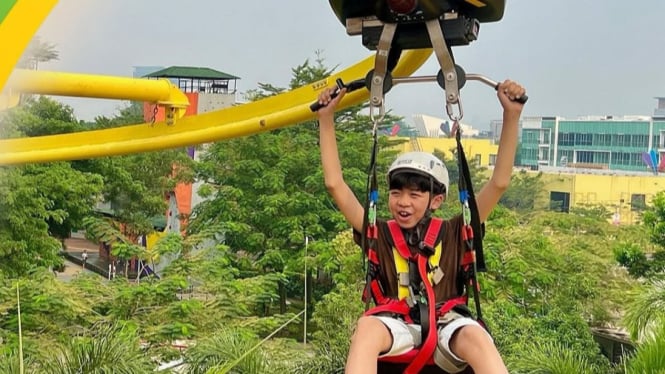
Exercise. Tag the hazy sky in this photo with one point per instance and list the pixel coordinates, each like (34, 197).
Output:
(576, 57)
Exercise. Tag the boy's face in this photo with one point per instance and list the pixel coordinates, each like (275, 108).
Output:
(408, 205)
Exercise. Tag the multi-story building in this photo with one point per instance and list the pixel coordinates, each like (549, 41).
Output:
(611, 143)
(207, 90)
(616, 162)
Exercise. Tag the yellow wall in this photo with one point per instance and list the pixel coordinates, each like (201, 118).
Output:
(611, 191)
(472, 147)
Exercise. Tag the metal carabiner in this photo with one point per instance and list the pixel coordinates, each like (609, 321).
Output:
(376, 120)
(456, 117)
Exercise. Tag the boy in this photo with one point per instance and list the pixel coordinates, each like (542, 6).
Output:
(418, 184)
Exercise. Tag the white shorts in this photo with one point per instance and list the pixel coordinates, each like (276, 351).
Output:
(407, 336)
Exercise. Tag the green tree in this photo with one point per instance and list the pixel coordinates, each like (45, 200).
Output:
(631, 256)
(523, 192)
(40, 116)
(40, 202)
(49, 308)
(218, 353)
(267, 190)
(137, 186)
(654, 219)
(645, 309)
(650, 354)
(106, 348)
(336, 313)
(24, 239)
(552, 358)
(550, 278)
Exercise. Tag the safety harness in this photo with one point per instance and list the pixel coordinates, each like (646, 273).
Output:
(419, 272)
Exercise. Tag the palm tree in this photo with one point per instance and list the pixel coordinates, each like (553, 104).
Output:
(38, 51)
(650, 355)
(552, 359)
(10, 363)
(646, 309)
(108, 349)
(216, 353)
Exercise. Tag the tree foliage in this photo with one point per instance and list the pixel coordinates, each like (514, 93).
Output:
(226, 284)
(41, 202)
(522, 194)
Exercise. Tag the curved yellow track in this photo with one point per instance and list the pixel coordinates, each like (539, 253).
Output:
(288, 108)
(17, 29)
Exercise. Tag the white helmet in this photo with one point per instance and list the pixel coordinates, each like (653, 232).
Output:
(421, 163)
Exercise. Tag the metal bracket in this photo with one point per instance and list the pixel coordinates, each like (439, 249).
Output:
(447, 67)
(380, 71)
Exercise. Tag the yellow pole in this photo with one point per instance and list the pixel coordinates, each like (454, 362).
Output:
(160, 91)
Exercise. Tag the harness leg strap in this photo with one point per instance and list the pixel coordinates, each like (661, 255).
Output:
(428, 347)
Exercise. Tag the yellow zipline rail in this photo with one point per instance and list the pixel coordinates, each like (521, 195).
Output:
(271, 113)
(158, 91)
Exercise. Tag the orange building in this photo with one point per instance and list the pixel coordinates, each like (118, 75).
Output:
(207, 90)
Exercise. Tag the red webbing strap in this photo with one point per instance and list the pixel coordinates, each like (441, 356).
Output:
(433, 232)
(372, 256)
(394, 306)
(398, 239)
(377, 293)
(429, 345)
(450, 304)
(468, 258)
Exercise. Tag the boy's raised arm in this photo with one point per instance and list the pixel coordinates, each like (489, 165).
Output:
(345, 199)
(491, 192)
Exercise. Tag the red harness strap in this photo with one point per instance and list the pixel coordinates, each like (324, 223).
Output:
(426, 350)
(429, 345)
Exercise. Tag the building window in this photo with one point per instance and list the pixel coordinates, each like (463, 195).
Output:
(566, 139)
(585, 157)
(476, 159)
(560, 201)
(583, 139)
(622, 140)
(492, 159)
(638, 202)
(602, 140)
(567, 155)
(602, 157)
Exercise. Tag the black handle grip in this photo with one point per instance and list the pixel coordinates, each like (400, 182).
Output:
(354, 85)
(522, 99)
(314, 107)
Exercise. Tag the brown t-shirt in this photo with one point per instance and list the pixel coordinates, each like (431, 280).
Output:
(452, 250)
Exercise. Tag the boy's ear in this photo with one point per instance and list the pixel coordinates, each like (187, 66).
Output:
(437, 200)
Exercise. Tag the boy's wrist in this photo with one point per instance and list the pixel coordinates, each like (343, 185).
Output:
(511, 116)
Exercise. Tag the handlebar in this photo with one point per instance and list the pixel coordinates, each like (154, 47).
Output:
(462, 77)
(352, 86)
(481, 78)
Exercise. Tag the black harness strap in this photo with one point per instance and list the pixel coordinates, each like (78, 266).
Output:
(369, 233)
(472, 232)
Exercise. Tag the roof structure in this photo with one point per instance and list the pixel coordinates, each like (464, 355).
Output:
(190, 72)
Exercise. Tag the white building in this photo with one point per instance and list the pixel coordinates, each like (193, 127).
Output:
(430, 127)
